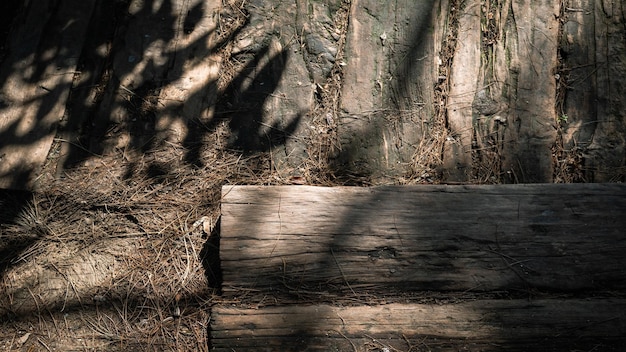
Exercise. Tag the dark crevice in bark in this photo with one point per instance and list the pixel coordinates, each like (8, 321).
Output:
(488, 125)
(442, 87)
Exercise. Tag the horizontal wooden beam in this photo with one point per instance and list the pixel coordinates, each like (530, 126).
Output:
(560, 237)
(488, 325)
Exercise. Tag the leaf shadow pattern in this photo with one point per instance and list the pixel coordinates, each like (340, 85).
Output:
(134, 51)
(12, 204)
(242, 104)
(39, 59)
(130, 99)
(249, 91)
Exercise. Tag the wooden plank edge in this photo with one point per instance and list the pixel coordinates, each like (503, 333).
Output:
(503, 323)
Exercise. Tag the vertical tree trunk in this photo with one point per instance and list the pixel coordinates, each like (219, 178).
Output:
(594, 53)
(529, 91)
(387, 95)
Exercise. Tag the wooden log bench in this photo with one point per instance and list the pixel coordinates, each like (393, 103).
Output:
(418, 267)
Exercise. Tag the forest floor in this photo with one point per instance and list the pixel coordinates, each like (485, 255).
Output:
(114, 253)
(119, 251)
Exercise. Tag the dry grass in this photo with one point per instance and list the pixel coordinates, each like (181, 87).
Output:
(119, 248)
(428, 156)
(115, 254)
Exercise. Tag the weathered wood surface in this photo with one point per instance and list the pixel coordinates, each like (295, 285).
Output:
(528, 90)
(457, 156)
(287, 239)
(524, 61)
(502, 92)
(387, 93)
(35, 83)
(594, 53)
(485, 325)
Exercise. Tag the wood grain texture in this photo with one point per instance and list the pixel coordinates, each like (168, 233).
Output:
(386, 86)
(529, 57)
(593, 49)
(457, 152)
(479, 325)
(373, 240)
